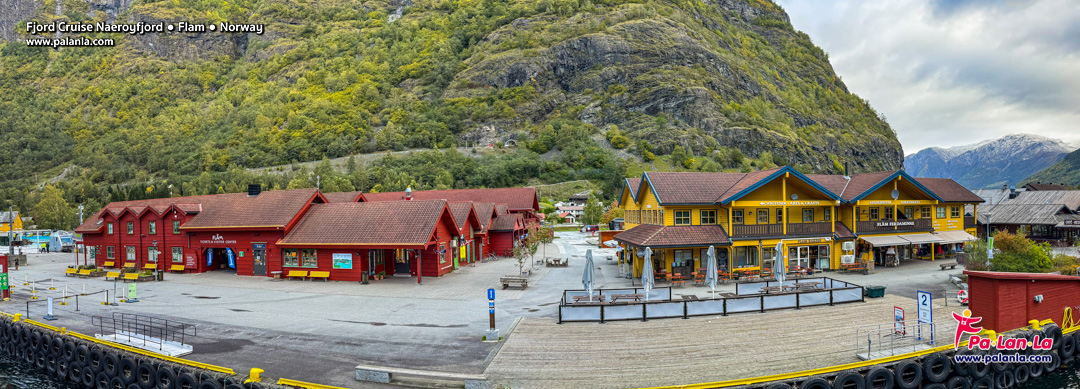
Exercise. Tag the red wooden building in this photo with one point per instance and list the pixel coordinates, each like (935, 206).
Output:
(1007, 301)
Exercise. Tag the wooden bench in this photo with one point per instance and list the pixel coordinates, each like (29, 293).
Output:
(301, 274)
(520, 281)
(70, 272)
(150, 266)
(84, 273)
(950, 265)
(129, 265)
(325, 275)
(131, 277)
(113, 275)
(110, 264)
(177, 268)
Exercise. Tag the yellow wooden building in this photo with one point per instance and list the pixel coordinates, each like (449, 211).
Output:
(819, 222)
(9, 219)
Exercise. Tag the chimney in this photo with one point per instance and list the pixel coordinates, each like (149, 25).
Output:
(408, 193)
(846, 169)
(254, 190)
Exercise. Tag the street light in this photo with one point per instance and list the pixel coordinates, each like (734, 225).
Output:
(989, 241)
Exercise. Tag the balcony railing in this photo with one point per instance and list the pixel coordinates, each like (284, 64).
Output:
(893, 225)
(746, 230)
(969, 222)
(777, 229)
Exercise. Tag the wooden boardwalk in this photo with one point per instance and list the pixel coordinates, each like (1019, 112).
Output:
(543, 354)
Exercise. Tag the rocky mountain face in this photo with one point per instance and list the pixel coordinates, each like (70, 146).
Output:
(729, 84)
(1065, 171)
(1006, 160)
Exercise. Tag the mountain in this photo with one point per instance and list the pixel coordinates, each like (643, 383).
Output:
(992, 163)
(1065, 171)
(572, 88)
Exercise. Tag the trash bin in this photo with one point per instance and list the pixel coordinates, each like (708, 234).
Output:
(875, 291)
(161, 275)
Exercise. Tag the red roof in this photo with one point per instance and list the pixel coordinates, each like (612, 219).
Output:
(1020, 276)
(343, 197)
(508, 222)
(748, 180)
(270, 209)
(463, 212)
(632, 184)
(949, 190)
(691, 187)
(485, 212)
(674, 236)
(398, 223)
(849, 189)
(518, 199)
(501, 209)
(843, 232)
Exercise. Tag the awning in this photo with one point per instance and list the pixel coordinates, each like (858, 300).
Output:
(922, 238)
(954, 237)
(885, 240)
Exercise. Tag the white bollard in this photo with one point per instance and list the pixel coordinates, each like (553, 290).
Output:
(50, 316)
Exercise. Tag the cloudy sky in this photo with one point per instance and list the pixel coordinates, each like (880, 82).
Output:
(948, 73)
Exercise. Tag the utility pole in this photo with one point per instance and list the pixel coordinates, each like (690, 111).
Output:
(11, 230)
(73, 238)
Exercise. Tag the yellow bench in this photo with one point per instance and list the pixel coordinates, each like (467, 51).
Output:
(301, 274)
(70, 272)
(110, 263)
(113, 274)
(177, 268)
(150, 266)
(130, 265)
(325, 275)
(131, 276)
(84, 273)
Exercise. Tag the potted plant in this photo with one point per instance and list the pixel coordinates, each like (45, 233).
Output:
(380, 275)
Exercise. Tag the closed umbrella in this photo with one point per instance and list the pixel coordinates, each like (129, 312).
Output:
(710, 274)
(646, 273)
(779, 264)
(587, 277)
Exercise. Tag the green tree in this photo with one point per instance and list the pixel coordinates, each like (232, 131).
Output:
(52, 212)
(593, 211)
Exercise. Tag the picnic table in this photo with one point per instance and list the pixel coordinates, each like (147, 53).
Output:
(580, 299)
(808, 285)
(770, 289)
(690, 297)
(634, 297)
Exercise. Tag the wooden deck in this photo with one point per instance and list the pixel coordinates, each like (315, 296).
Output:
(540, 353)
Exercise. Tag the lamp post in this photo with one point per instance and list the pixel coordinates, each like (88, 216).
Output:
(989, 241)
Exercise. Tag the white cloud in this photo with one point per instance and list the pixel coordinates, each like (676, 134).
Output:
(949, 73)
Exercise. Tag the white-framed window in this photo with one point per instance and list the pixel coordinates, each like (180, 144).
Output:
(131, 253)
(110, 229)
(176, 226)
(131, 228)
(940, 212)
(925, 213)
(151, 227)
(110, 252)
(178, 254)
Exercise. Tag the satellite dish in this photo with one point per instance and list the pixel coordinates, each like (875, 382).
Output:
(895, 194)
(794, 196)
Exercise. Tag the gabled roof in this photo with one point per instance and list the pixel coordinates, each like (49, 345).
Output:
(843, 232)
(863, 184)
(632, 184)
(518, 199)
(508, 222)
(343, 197)
(484, 212)
(754, 180)
(671, 188)
(7, 217)
(950, 191)
(1069, 198)
(463, 212)
(649, 235)
(1046, 186)
(501, 209)
(398, 223)
(1020, 213)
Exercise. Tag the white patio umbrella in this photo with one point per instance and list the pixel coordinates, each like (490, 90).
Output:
(587, 276)
(779, 264)
(710, 273)
(646, 273)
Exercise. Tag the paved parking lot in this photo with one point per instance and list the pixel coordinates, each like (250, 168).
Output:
(318, 331)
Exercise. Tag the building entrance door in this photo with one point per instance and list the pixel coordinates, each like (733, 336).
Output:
(401, 263)
(799, 257)
(258, 259)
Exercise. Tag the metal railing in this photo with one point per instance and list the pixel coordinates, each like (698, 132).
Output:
(875, 341)
(743, 230)
(144, 329)
(817, 228)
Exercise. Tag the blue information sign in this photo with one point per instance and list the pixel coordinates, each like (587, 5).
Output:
(491, 294)
(491, 311)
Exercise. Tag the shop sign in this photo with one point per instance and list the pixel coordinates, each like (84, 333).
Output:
(217, 239)
(879, 202)
(342, 260)
(892, 223)
(1072, 222)
(814, 240)
(189, 260)
(790, 203)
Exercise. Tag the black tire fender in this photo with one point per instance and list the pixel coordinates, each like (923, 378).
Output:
(812, 383)
(62, 366)
(880, 378)
(1067, 348)
(1004, 380)
(126, 370)
(35, 339)
(50, 364)
(88, 377)
(165, 378)
(908, 374)
(936, 367)
(146, 375)
(958, 382)
(210, 384)
(1052, 331)
(101, 381)
(187, 381)
(849, 380)
(28, 356)
(978, 370)
(1021, 373)
(95, 361)
(1055, 362)
(133, 385)
(58, 346)
(82, 354)
(69, 350)
(936, 385)
(41, 359)
(1035, 370)
(962, 369)
(999, 367)
(75, 372)
(234, 386)
(110, 364)
(983, 383)
(256, 385)
(117, 383)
